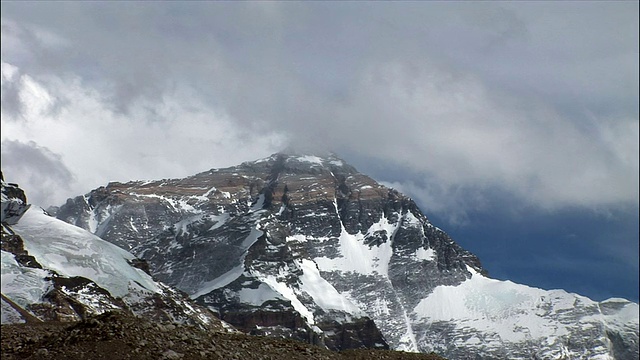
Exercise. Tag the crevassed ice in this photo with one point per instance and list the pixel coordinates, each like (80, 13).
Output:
(72, 251)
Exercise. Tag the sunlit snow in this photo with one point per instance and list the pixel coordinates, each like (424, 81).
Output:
(513, 312)
(360, 257)
(425, 254)
(323, 293)
(310, 158)
(209, 192)
(290, 295)
(176, 204)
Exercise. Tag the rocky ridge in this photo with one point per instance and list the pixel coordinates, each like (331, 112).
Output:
(116, 336)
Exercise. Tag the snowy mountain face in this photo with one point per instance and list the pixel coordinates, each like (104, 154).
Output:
(306, 247)
(55, 271)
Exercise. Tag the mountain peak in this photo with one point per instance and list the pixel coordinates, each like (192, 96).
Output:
(301, 245)
(308, 156)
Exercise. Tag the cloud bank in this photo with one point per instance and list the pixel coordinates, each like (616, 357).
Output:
(538, 100)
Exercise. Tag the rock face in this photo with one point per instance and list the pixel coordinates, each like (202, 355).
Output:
(53, 271)
(14, 203)
(306, 247)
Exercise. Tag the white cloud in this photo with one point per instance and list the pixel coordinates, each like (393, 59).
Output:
(488, 96)
(450, 127)
(174, 138)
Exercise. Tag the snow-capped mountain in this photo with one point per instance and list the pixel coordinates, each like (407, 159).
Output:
(52, 270)
(304, 246)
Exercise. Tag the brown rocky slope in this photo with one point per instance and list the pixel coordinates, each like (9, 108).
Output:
(116, 335)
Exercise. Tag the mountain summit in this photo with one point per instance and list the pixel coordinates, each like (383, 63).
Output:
(304, 246)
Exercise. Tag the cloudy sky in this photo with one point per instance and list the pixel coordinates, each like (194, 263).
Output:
(514, 125)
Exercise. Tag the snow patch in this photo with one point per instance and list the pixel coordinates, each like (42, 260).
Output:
(219, 220)
(323, 293)
(258, 296)
(359, 257)
(425, 254)
(93, 221)
(310, 158)
(289, 294)
(297, 237)
(212, 190)
(176, 204)
(409, 219)
(182, 226)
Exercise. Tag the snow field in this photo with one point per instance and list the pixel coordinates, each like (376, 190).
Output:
(71, 251)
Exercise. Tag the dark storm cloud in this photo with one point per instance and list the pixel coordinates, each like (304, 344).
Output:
(40, 172)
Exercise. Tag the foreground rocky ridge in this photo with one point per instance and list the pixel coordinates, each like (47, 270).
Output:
(117, 336)
(305, 247)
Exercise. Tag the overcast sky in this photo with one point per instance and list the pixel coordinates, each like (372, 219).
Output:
(514, 125)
